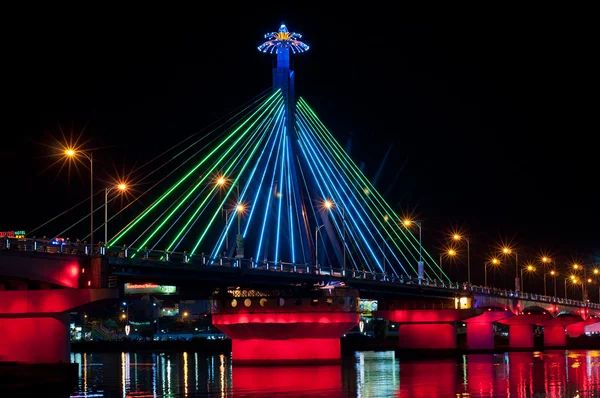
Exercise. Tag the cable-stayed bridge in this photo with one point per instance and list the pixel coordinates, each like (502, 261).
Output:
(269, 197)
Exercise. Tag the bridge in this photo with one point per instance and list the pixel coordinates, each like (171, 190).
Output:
(309, 233)
(246, 294)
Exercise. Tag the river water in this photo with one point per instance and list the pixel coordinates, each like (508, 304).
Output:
(366, 374)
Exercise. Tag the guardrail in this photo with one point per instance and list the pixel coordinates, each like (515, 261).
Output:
(67, 247)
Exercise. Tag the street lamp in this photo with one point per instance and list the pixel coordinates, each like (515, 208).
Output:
(458, 237)
(493, 261)
(554, 274)
(449, 253)
(596, 272)
(121, 187)
(407, 223)
(71, 153)
(583, 289)
(545, 262)
(328, 204)
(222, 182)
(507, 251)
(528, 268)
(573, 279)
(240, 208)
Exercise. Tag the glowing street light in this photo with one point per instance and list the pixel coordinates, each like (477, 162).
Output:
(577, 267)
(528, 268)
(408, 223)
(71, 154)
(329, 204)
(494, 262)
(449, 253)
(507, 251)
(122, 187)
(458, 237)
(545, 261)
(554, 274)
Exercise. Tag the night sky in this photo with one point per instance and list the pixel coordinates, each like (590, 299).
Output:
(489, 119)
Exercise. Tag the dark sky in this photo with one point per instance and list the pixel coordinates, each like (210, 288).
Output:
(488, 112)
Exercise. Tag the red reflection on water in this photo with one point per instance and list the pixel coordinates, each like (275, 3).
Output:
(431, 378)
(516, 374)
(286, 379)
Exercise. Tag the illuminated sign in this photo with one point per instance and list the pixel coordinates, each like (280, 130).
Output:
(12, 234)
(367, 307)
(149, 288)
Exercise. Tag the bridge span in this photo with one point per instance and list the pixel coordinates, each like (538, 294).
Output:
(285, 302)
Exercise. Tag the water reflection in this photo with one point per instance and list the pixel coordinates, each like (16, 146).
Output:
(367, 374)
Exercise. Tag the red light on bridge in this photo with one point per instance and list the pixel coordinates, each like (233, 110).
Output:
(89, 283)
(74, 269)
(83, 270)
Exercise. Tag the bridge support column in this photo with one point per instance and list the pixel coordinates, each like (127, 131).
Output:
(426, 329)
(480, 329)
(34, 324)
(555, 331)
(270, 329)
(35, 339)
(578, 328)
(520, 333)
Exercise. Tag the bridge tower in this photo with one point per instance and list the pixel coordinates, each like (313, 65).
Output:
(282, 43)
(300, 326)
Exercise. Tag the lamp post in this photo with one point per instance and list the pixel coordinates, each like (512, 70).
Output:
(596, 272)
(545, 262)
(573, 279)
(529, 268)
(221, 181)
(458, 237)
(554, 274)
(122, 187)
(583, 289)
(450, 253)
(329, 204)
(317, 244)
(408, 223)
(72, 153)
(493, 261)
(239, 209)
(508, 251)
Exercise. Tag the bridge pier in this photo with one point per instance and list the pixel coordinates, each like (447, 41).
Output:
(555, 331)
(480, 329)
(267, 328)
(35, 339)
(577, 329)
(34, 324)
(426, 329)
(520, 333)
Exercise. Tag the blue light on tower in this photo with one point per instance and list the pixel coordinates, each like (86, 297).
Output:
(280, 43)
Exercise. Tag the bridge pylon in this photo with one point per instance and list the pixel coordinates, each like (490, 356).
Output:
(283, 327)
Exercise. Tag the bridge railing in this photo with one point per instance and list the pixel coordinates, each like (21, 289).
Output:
(183, 258)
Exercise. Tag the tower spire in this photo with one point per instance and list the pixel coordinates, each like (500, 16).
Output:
(280, 43)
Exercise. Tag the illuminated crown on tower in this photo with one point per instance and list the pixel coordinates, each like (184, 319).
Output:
(278, 41)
